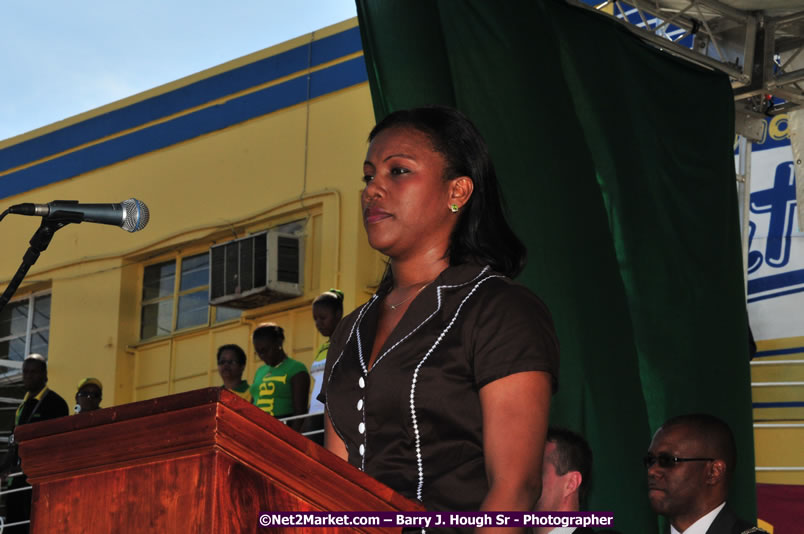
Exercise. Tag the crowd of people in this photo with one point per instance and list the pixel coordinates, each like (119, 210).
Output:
(281, 386)
(440, 385)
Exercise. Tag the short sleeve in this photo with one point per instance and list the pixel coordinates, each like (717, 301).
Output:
(510, 331)
(298, 367)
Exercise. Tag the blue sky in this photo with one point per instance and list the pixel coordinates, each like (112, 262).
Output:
(58, 59)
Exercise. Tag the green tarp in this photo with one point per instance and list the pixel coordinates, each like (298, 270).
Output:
(616, 161)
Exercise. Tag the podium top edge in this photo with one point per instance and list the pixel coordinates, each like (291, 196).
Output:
(126, 412)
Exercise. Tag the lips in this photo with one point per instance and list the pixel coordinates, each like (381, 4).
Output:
(373, 215)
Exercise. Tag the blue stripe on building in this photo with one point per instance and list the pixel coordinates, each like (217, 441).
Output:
(791, 404)
(778, 352)
(195, 94)
(186, 127)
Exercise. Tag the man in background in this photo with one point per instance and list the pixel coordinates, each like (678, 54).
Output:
(566, 472)
(39, 404)
(690, 464)
(89, 395)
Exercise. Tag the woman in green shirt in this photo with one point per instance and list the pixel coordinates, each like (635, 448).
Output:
(281, 387)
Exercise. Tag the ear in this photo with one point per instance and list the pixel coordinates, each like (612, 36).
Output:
(572, 481)
(717, 472)
(460, 190)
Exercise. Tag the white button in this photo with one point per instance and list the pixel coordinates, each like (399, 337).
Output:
(362, 449)
(361, 383)
(360, 404)
(361, 428)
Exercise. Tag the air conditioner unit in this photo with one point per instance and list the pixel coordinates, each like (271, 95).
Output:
(256, 270)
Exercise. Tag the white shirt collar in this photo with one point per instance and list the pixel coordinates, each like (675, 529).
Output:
(702, 524)
(562, 530)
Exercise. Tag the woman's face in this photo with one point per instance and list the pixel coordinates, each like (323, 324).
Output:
(326, 319)
(268, 349)
(228, 366)
(406, 200)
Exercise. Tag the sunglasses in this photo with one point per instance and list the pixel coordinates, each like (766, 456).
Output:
(667, 461)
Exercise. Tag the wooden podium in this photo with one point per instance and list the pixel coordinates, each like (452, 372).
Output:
(202, 461)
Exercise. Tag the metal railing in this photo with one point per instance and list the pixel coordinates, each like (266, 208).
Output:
(3, 523)
(308, 433)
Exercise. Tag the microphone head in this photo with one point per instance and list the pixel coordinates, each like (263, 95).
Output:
(135, 215)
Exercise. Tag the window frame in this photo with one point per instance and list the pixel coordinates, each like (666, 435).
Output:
(13, 372)
(212, 311)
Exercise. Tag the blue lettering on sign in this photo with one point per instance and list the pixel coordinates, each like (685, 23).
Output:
(778, 204)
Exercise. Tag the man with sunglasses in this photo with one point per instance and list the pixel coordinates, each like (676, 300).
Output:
(690, 463)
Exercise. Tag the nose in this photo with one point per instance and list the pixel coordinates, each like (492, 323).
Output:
(654, 471)
(372, 191)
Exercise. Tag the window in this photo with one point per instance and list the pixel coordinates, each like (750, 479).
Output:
(24, 329)
(171, 302)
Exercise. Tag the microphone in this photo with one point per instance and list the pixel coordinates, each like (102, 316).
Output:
(131, 215)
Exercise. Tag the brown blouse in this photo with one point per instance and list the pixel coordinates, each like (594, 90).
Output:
(414, 420)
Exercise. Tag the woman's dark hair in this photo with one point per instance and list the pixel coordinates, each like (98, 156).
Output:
(482, 234)
(239, 353)
(269, 331)
(332, 299)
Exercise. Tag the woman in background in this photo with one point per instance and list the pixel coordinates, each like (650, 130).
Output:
(282, 386)
(327, 313)
(439, 386)
(231, 364)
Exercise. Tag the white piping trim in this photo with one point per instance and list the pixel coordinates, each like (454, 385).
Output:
(438, 308)
(356, 332)
(332, 370)
(417, 435)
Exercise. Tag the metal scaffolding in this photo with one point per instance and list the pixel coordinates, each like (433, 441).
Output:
(758, 43)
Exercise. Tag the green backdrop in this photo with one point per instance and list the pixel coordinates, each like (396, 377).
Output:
(616, 161)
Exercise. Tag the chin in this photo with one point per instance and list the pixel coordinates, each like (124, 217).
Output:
(658, 506)
(380, 241)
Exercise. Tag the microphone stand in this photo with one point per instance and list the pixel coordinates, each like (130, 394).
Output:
(39, 242)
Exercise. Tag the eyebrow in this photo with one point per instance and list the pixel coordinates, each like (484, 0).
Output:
(400, 155)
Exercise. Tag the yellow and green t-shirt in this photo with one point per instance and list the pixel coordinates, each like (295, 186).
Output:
(271, 390)
(243, 390)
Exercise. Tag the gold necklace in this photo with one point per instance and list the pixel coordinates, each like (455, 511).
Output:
(398, 304)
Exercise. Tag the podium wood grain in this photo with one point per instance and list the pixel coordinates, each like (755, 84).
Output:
(202, 461)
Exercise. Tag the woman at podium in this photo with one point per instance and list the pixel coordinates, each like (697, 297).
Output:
(440, 385)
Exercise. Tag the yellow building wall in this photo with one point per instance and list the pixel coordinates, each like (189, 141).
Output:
(302, 161)
(777, 390)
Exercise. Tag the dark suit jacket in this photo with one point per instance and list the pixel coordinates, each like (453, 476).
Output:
(33, 411)
(726, 522)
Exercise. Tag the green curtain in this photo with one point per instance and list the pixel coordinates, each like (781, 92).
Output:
(616, 161)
